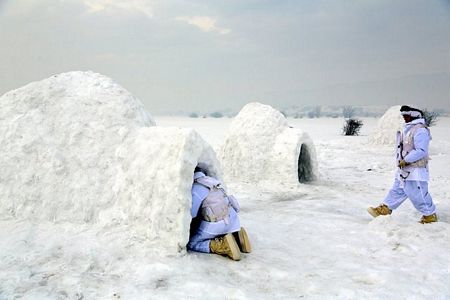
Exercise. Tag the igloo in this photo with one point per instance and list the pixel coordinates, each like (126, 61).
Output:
(261, 146)
(387, 126)
(77, 147)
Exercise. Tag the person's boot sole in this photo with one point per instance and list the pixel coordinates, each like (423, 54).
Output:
(235, 254)
(243, 241)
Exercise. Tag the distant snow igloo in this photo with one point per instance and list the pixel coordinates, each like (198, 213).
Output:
(261, 146)
(387, 127)
(77, 147)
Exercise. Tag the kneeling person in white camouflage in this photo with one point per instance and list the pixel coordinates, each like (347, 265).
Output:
(412, 174)
(215, 226)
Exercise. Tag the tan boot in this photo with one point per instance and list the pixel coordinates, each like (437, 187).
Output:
(380, 210)
(225, 245)
(242, 240)
(429, 219)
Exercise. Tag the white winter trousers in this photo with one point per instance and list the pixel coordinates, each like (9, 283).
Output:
(416, 191)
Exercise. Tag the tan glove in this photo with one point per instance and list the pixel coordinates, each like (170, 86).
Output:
(402, 164)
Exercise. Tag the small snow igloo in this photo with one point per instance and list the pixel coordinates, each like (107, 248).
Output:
(78, 148)
(387, 127)
(261, 146)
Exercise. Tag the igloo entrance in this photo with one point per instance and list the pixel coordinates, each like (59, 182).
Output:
(305, 168)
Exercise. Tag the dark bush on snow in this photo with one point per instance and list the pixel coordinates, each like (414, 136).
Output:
(352, 126)
(430, 117)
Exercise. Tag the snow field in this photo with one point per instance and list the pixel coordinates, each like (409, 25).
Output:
(309, 241)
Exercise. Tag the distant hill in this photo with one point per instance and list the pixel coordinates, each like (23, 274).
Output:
(429, 90)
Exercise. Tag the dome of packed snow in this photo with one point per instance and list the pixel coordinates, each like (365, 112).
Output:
(261, 146)
(387, 126)
(77, 147)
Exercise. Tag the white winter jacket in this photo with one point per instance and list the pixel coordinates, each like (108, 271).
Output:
(421, 140)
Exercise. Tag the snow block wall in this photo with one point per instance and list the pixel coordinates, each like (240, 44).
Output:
(387, 127)
(261, 146)
(154, 178)
(79, 148)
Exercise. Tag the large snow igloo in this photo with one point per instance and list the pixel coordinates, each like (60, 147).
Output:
(77, 147)
(387, 127)
(261, 146)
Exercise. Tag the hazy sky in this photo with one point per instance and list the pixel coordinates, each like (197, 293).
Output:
(204, 55)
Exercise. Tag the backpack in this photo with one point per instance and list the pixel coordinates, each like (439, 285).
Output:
(215, 207)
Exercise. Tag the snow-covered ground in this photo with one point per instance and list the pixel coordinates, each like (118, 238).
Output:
(316, 242)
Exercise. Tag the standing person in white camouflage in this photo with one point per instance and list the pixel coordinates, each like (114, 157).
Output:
(411, 180)
(215, 226)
